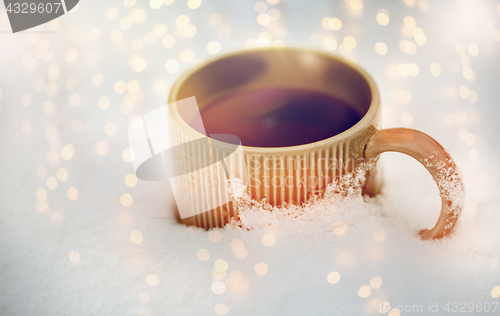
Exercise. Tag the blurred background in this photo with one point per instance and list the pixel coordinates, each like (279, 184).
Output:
(80, 235)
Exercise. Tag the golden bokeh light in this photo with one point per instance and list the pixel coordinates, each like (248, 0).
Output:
(152, 280)
(406, 118)
(94, 33)
(138, 15)
(261, 268)
(221, 265)
(473, 155)
(182, 20)
(375, 283)
(269, 240)
(104, 102)
(26, 100)
(412, 69)
(335, 24)
(48, 107)
(51, 88)
(62, 175)
(71, 55)
(72, 193)
(218, 287)
(495, 292)
(202, 254)
(340, 229)
(215, 19)
(51, 134)
(263, 19)
(194, 4)
(356, 5)
(330, 43)
(333, 277)
(139, 64)
(460, 49)
(470, 139)
(237, 244)
(130, 180)
(467, 73)
(172, 66)
(473, 49)
(410, 22)
(110, 128)
(236, 282)
(77, 126)
(260, 6)
(136, 237)
(241, 253)
(120, 87)
(101, 148)
(41, 194)
(213, 47)
(345, 50)
(129, 3)
(168, 41)
(221, 309)
(473, 96)
(395, 311)
(186, 56)
(218, 275)
(137, 45)
(42, 207)
(435, 69)
(408, 47)
(111, 13)
(128, 154)
(381, 48)
(160, 30)
(74, 100)
(383, 17)
(403, 70)
(51, 183)
(464, 91)
(214, 236)
(465, 61)
(349, 42)
(155, 4)
(126, 199)
(406, 96)
(74, 257)
(364, 291)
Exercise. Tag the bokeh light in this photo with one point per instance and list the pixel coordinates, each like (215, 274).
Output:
(202, 254)
(152, 280)
(136, 237)
(333, 277)
(261, 268)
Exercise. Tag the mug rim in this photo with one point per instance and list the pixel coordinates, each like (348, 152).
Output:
(348, 133)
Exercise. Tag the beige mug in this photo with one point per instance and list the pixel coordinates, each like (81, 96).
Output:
(282, 183)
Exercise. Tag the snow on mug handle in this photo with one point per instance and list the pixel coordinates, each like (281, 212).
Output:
(432, 156)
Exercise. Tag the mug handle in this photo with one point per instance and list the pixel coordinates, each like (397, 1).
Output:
(432, 156)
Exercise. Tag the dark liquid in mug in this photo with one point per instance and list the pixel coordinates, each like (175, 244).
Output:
(278, 117)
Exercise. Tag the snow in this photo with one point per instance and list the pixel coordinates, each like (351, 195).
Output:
(99, 243)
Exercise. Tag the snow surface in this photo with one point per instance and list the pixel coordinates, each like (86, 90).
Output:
(96, 256)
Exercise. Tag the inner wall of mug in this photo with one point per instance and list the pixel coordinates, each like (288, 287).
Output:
(276, 68)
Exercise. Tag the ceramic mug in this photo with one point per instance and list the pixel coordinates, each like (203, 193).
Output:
(299, 68)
